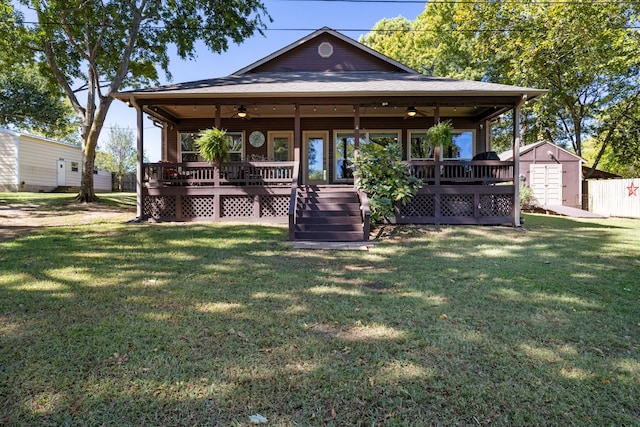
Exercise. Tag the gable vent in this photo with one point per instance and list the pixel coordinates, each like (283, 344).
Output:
(325, 49)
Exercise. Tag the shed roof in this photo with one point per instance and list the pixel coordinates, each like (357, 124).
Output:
(508, 155)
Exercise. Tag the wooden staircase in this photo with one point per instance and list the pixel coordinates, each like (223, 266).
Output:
(328, 214)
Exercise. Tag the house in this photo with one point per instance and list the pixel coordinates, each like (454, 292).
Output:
(553, 173)
(34, 163)
(296, 117)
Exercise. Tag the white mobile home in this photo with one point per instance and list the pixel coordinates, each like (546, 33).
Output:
(34, 163)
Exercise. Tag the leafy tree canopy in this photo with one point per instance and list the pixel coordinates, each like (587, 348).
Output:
(587, 54)
(27, 102)
(91, 49)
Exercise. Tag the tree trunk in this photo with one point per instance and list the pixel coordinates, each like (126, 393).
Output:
(90, 135)
(87, 193)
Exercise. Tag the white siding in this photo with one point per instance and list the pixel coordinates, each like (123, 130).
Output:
(615, 197)
(39, 160)
(8, 163)
(102, 181)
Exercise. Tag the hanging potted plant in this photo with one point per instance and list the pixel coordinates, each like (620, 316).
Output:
(440, 135)
(213, 145)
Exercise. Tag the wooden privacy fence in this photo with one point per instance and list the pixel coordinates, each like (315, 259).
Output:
(615, 197)
(128, 184)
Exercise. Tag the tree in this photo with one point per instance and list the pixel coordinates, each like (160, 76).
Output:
(585, 53)
(119, 155)
(432, 44)
(27, 102)
(94, 49)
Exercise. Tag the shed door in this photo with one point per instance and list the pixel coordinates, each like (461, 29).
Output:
(546, 183)
(62, 173)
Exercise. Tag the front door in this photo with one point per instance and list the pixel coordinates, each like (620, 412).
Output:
(314, 157)
(62, 173)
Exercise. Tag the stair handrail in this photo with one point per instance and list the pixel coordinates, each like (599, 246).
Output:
(293, 198)
(365, 212)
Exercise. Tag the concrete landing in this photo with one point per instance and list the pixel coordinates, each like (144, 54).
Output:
(572, 212)
(332, 246)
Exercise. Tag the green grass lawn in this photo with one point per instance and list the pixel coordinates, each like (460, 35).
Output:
(200, 324)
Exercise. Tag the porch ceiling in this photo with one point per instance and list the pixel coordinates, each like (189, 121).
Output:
(204, 111)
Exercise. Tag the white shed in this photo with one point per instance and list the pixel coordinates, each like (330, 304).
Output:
(34, 163)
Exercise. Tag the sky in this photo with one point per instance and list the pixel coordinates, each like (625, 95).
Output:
(292, 20)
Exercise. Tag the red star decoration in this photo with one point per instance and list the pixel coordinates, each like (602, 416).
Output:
(633, 189)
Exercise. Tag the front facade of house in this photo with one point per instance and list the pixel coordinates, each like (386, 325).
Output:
(34, 163)
(296, 117)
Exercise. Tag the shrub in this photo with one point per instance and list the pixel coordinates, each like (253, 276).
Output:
(381, 174)
(527, 199)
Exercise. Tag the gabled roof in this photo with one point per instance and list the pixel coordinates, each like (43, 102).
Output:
(325, 31)
(508, 155)
(350, 70)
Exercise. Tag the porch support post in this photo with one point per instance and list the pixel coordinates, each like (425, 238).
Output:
(356, 128)
(516, 165)
(218, 121)
(436, 114)
(140, 159)
(297, 135)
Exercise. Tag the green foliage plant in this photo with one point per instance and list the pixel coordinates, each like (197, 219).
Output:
(384, 178)
(440, 135)
(527, 199)
(213, 145)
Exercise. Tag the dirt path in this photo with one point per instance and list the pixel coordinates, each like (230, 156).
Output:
(21, 219)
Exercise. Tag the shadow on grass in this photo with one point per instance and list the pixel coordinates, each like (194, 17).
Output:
(198, 324)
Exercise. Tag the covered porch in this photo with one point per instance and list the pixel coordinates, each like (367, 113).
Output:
(295, 119)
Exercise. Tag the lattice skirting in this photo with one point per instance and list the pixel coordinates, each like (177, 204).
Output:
(454, 207)
(274, 206)
(198, 207)
(420, 205)
(496, 205)
(458, 205)
(160, 208)
(243, 206)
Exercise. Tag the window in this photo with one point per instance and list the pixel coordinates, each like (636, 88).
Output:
(74, 167)
(235, 147)
(419, 148)
(189, 151)
(462, 148)
(345, 145)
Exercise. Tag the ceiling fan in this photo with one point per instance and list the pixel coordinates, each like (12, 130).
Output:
(242, 113)
(412, 111)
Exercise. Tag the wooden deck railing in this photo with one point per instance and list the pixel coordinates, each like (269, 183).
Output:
(230, 173)
(462, 172)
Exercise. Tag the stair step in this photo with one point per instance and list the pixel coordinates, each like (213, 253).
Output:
(329, 227)
(342, 207)
(329, 214)
(326, 213)
(324, 236)
(329, 220)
